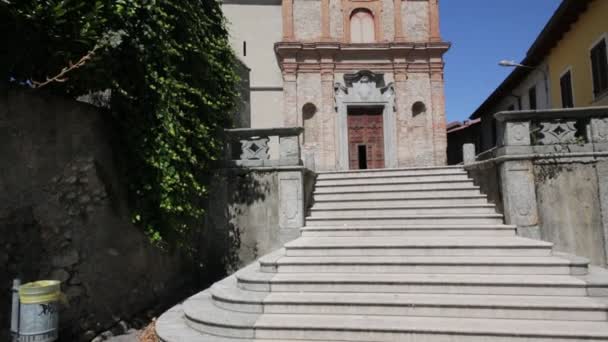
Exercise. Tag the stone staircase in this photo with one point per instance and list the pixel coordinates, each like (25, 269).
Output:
(401, 255)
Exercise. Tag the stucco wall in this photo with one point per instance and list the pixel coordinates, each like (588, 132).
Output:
(260, 26)
(572, 51)
(64, 216)
(266, 109)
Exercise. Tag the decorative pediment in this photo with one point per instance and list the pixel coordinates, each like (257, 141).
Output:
(364, 86)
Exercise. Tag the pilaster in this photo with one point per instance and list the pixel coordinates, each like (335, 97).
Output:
(287, 9)
(399, 35)
(434, 34)
(438, 115)
(325, 27)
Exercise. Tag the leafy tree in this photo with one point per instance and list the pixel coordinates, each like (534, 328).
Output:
(173, 85)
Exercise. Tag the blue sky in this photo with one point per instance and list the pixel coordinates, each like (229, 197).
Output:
(482, 33)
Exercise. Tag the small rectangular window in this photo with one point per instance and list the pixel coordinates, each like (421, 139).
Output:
(565, 83)
(599, 68)
(532, 97)
(244, 48)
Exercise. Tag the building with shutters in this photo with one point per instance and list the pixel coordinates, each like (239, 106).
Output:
(565, 67)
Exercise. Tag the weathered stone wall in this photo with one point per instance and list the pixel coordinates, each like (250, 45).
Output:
(245, 212)
(388, 20)
(569, 208)
(415, 14)
(415, 132)
(487, 178)
(568, 203)
(63, 215)
(307, 19)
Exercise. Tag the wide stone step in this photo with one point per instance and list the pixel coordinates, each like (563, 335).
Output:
(494, 284)
(417, 246)
(400, 186)
(455, 209)
(432, 329)
(404, 304)
(202, 315)
(418, 264)
(395, 202)
(359, 194)
(409, 231)
(422, 171)
(428, 178)
(456, 219)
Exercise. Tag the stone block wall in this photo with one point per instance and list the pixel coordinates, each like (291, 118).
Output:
(251, 208)
(549, 177)
(63, 215)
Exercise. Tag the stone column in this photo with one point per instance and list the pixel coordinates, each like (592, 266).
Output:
(434, 34)
(287, 8)
(439, 133)
(325, 34)
(399, 36)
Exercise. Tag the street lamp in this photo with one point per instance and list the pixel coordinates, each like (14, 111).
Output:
(508, 63)
(514, 64)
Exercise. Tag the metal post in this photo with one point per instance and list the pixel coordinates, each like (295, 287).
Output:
(15, 311)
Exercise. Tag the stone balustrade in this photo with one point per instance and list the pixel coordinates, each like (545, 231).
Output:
(248, 147)
(574, 130)
(549, 174)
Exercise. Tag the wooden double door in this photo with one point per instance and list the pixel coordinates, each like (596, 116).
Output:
(365, 138)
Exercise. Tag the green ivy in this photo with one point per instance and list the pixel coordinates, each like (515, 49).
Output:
(173, 87)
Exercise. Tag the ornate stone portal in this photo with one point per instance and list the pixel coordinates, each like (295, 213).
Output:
(392, 62)
(365, 89)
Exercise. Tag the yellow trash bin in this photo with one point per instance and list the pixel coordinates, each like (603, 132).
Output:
(39, 311)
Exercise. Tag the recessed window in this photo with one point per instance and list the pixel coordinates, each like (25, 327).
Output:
(362, 26)
(565, 84)
(532, 97)
(244, 48)
(599, 68)
(418, 108)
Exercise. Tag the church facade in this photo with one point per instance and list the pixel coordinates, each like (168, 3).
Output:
(363, 77)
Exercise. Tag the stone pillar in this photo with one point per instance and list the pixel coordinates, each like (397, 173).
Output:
(468, 154)
(599, 138)
(329, 155)
(290, 99)
(519, 197)
(325, 34)
(399, 36)
(287, 7)
(404, 155)
(289, 150)
(291, 204)
(434, 34)
(439, 133)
